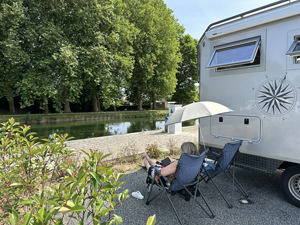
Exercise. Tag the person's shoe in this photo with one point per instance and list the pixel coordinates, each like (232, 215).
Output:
(137, 195)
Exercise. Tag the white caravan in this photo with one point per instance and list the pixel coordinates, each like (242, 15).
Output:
(251, 63)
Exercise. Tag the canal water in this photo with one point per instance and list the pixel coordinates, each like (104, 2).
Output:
(90, 129)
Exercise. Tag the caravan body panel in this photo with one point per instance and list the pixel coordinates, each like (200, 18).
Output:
(264, 96)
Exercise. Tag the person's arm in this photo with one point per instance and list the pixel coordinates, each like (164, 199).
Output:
(169, 169)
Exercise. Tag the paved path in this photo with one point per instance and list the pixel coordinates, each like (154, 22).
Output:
(136, 142)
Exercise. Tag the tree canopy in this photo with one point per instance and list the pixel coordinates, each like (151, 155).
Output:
(186, 90)
(12, 56)
(76, 51)
(82, 46)
(156, 50)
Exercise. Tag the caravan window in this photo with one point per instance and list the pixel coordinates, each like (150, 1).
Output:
(294, 50)
(236, 54)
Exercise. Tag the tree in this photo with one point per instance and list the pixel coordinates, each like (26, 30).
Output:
(12, 56)
(155, 50)
(78, 45)
(107, 64)
(164, 80)
(53, 59)
(186, 90)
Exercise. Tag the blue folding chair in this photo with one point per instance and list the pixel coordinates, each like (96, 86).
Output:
(223, 163)
(186, 177)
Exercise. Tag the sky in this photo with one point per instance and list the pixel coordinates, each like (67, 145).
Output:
(197, 15)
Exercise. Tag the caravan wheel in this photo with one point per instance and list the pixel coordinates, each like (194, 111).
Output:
(290, 184)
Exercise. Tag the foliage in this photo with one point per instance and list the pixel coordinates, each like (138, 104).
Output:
(186, 90)
(76, 47)
(87, 192)
(155, 50)
(78, 51)
(151, 220)
(153, 151)
(12, 56)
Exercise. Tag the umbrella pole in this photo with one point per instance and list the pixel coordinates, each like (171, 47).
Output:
(199, 137)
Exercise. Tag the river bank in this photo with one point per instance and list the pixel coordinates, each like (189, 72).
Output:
(88, 116)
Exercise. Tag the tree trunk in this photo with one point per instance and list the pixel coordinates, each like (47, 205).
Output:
(12, 109)
(99, 105)
(46, 109)
(179, 100)
(96, 103)
(154, 101)
(46, 106)
(67, 108)
(138, 98)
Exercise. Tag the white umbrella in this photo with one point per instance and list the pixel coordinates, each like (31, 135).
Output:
(197, 110)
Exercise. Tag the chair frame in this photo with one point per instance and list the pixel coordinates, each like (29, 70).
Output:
(186, 187)
(207, 176)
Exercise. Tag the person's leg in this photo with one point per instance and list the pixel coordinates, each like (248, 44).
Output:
(148, 162)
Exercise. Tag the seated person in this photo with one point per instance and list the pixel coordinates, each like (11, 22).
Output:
(168, 171)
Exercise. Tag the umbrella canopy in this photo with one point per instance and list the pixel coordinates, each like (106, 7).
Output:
(197, 110)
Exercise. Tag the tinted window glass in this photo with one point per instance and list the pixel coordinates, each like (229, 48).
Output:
(233, 54)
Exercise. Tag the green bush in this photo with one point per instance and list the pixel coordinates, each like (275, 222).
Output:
(153, 151)
(30, 192)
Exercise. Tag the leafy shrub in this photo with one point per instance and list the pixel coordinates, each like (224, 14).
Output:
(153, 151)
(88, 190)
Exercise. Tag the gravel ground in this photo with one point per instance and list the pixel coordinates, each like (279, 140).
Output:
(138, 142)
(267, 204)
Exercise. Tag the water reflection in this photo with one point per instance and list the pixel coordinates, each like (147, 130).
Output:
(90, 129)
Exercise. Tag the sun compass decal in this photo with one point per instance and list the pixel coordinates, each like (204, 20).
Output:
(276, 97)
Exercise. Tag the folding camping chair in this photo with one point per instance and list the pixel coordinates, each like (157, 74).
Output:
(222, 163)
(185, 177)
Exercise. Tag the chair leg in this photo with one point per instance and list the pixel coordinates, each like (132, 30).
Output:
(211, 214)
(151, 187)
(173, 207)
(237, 184)
(194, 199)
(149, 192)
(187, 189)
(162, 190)
(229, 205)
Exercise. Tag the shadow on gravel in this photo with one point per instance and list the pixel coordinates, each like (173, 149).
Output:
(267, 204)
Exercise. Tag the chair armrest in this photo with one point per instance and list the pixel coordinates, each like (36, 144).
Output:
(209, 166)
(156, 169)
(217, 154)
